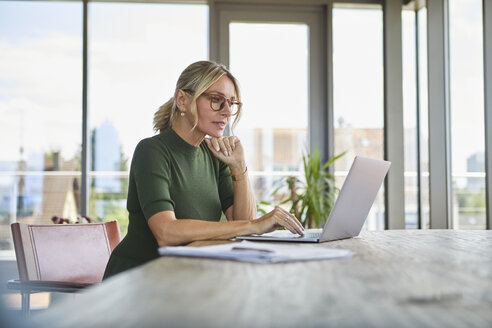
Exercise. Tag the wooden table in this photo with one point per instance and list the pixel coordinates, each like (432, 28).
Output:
(397, 278)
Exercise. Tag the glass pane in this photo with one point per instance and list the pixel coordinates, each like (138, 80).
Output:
(410, 119)
(273, 128)
(423, 118)
(358, 93)
(40, 106)
(467, 113)
(134, 63)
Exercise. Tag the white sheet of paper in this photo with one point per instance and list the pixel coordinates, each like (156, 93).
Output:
(247, 251)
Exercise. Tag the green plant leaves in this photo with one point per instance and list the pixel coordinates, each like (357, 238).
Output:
(312, 197)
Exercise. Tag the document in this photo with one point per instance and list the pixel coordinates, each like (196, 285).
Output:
(247, 251)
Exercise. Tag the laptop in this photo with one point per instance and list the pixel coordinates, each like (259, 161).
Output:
(350, 210)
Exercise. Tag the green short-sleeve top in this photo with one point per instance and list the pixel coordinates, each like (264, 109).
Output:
(168, 174)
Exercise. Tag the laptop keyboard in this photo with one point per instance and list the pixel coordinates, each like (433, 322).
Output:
(312, 234)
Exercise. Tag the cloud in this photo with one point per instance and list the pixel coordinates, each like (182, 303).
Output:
(135, 57)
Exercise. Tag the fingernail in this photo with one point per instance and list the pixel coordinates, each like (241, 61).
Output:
(217, 149)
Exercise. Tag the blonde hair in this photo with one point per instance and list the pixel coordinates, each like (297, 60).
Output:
(195, 80)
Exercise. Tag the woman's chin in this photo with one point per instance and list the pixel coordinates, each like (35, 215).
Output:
(216, 134)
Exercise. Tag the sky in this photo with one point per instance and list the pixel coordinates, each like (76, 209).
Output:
(135, 57)
(136, 53)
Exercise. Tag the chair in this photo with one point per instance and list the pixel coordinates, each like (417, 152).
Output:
(61, 257)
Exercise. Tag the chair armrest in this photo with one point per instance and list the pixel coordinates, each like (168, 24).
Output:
(33, 286)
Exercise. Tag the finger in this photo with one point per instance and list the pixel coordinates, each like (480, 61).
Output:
(298, 226)
(233, 140)
(224, 147)
(292, 219)
(287, 222)
(215, 144)
(210, 146)
(296, 222)
(227, 143)
(283, 219)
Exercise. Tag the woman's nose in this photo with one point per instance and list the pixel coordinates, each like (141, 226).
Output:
(226, 110)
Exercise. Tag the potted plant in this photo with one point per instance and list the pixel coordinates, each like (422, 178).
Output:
(313, 196)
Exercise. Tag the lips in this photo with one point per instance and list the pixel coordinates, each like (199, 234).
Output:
(220, 125)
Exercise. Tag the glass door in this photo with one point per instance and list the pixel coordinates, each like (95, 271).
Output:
(276, 58)
(358, 97)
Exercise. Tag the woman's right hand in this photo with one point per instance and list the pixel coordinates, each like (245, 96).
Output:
(275, 219)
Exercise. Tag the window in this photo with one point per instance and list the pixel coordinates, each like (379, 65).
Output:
(133, 68)
(358, 93)
(410, 119)
(423, 112)
(134, 63)
(273, 128)
(467, 116)
(277, 54)
(40, 106)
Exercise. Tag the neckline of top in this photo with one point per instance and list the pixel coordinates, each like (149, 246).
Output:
(179, 143)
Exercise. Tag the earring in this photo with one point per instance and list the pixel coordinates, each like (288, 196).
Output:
(182, 114)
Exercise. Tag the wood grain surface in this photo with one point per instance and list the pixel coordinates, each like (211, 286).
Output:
(397, 278)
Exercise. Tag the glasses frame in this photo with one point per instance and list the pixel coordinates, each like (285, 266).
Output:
(230, 102)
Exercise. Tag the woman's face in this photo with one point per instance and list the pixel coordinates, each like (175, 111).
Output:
(212, 122)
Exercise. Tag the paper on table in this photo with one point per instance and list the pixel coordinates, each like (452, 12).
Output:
(247, 251)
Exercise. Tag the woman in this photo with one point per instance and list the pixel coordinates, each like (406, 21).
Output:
(181, 182)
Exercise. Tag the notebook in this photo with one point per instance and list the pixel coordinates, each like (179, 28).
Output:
(350, 210)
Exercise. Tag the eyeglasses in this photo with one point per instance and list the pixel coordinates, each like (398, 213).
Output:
(217, 103)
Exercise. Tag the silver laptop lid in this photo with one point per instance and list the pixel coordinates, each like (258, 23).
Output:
(356, 197)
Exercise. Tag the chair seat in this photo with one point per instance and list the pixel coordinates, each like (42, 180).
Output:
(33, 286)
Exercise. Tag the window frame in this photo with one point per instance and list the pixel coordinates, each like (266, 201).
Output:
(314, 18)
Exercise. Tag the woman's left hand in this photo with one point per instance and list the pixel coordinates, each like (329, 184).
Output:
(229, 150)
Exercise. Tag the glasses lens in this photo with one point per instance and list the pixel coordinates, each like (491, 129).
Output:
(217, 102)
(234, 109)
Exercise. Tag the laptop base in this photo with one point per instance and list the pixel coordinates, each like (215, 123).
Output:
(310, 236)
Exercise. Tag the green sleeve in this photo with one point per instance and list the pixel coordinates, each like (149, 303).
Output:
(152, 178)
(226, 191)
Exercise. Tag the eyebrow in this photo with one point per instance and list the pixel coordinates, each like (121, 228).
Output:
(223, 95)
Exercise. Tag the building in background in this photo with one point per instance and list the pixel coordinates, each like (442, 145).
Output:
(33, 198)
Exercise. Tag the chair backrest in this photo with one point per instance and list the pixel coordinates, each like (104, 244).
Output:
(64, 252)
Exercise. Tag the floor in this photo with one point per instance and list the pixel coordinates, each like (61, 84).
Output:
(38, 301)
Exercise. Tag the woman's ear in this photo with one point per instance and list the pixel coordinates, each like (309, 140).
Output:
(181, 99)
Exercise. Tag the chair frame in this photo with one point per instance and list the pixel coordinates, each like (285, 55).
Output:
(26, 288)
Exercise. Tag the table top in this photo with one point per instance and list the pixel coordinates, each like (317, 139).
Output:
(397, 278)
